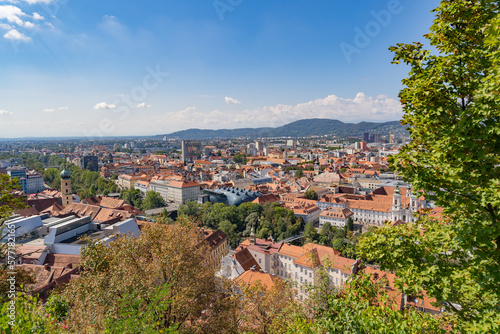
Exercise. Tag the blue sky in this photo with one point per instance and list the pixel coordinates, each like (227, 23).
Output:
(104, 68)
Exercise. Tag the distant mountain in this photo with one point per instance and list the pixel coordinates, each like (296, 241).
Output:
(302, 128)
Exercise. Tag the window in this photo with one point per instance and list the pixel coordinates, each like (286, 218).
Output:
(310, 275)
(260, 261)
(301, 270)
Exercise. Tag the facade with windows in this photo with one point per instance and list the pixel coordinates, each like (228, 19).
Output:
(300, 265)
(335, 216)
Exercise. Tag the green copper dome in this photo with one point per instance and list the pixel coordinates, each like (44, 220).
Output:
(65, 174)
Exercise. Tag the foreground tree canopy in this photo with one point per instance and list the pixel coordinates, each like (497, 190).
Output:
(452, 110)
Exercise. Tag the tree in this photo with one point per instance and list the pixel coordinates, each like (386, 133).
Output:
(311, 194)
(310, 233)
(230, 230)
(267, 309)
(152, 200)
(452, 110)
(177, 282)
(239, 158)
(191, 209)
(299, 174)
(350, 224)
(363, 306)
(132, 197)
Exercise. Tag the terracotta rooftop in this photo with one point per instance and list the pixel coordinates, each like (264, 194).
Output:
(183, 184)
(337, 213)
(246, 260)
(250, 277)
(62, 260)
(292, 251)
(215, 238)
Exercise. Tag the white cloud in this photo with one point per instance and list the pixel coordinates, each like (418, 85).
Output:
(6, 113)
(29, 25)
(34, 2)
(12, 14)
(37, 17)
(360, 108)
(6, 26)
(230, 100)
(63, 108)
(143, 105)
(104, 105)
(16, 35)
(49, 110)
(113, 27)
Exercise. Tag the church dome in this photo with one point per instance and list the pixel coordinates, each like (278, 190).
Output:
(65, 174)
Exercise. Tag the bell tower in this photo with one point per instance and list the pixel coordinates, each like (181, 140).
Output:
(67, 196)
(396, 199)
(396, 205)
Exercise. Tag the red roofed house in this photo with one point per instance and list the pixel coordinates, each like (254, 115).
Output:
(262, 251)
(335, 216)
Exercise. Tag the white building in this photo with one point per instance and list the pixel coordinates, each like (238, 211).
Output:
(300, 265)
(335, 216)
(159, 186)
(181, 192)
(34, 182)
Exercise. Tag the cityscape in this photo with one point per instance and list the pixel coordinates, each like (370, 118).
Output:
(141, 201)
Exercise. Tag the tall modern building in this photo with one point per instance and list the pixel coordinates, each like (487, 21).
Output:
(366, 137)
(191, 150)
(259, 145)
(90, 162)
(20, 173)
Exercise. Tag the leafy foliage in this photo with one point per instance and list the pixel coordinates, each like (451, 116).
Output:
(30, 317)
(138, 270)
(152, 200)
(452, 108)
(311, 194)
(269, 219)
(366, 307)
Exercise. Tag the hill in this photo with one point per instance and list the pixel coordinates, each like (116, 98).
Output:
(302, 128)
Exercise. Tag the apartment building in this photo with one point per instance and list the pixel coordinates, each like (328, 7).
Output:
(300, 265)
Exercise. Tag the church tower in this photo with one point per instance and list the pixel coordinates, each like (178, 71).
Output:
(396, 199)
(67, 196)
(396, 205)
(413, 201)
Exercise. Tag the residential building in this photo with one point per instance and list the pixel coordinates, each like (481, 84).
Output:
(34, 182)
(300, 265)
(262, 251)
(183, 191)
(335, 216)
